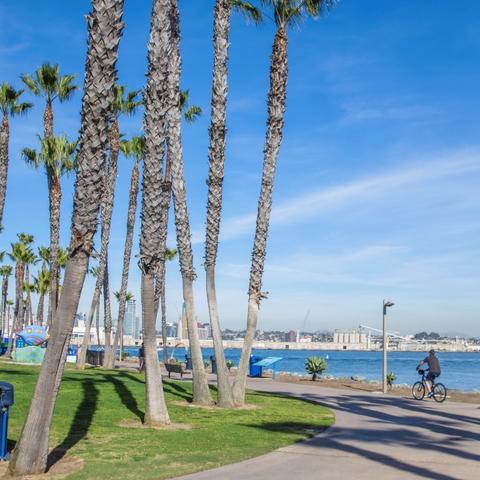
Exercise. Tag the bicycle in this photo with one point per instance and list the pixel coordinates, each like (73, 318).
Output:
(418, 389)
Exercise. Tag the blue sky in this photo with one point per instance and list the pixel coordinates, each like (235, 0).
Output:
(377, 189)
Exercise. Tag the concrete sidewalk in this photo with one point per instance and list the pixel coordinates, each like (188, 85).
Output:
(374, 437)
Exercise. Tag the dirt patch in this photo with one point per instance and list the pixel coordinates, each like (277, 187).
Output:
(64, 467)
(185, 403)
(129, 423)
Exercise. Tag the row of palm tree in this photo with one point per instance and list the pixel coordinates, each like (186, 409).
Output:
(162, 128)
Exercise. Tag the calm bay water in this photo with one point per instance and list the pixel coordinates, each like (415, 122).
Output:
(459, 370)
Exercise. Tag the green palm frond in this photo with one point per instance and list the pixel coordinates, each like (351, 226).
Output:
(48, 83)
(9, 101)
(26, 238)
(126, 103)
(44, 253)
(56, 153)
(248, 10)
(190, 112)
(62, 257)
(292, 12)
(42, 282)
(135, 147)
(170, 254)
(5, 270)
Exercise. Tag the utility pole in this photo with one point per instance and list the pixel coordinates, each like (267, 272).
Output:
(386, 304)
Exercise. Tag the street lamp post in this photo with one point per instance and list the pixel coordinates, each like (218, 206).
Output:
(386, 304)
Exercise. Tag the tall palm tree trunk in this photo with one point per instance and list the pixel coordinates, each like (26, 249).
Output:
(163, 308)
(276, 109)
(55, 199)
(154, 127)
(28, 300)
(160, 278)
(97, 323)
(215, 182)
(109, 180)
(4, 136)
(127, 253)
(40, 308)
(105, 26)
(201, 392)
(107, 315)
(18, 304)
(4, 305)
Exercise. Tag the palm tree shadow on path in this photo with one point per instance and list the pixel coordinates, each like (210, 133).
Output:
(126, 396)
(80, 424)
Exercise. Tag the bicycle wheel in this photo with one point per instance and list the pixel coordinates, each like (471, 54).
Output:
(439, 392)
(418, 390)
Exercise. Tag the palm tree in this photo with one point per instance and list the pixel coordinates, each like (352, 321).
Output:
(46, 82)
(127, 105)
(20, 254)
(190, 114)
(42, 286)
(201, 391)
(94, 271)
(134, 148)
(104, 33)
(10, 106)
(218, 131)
(155, 105)
(124, 103)
(120, 325)
(285, 14)
(9, 304)
(29, 259)
(56, 155)
(5, 272)
(49, 84)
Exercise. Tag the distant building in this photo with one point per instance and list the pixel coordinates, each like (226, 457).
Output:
(351, 337)
(204, 331)
(130, 321)
(172, 330)
(291, 336)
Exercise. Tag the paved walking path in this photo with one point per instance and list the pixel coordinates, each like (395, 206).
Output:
(374, 437)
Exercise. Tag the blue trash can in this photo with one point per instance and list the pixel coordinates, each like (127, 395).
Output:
(6, 401)
(213, 363)
(188, 361)
(254, 370)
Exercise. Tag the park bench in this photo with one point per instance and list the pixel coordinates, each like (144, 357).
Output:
(175, 368)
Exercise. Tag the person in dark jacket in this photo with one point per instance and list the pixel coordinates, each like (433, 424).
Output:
(141, 359)
(434, 370)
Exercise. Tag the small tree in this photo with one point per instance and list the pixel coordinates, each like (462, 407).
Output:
(315, 366)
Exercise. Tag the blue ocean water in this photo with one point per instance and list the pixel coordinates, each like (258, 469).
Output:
(459, 370)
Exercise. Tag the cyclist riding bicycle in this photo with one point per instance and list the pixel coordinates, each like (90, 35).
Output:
(434, 370)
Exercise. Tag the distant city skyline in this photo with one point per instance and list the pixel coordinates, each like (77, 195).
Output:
(377, 189)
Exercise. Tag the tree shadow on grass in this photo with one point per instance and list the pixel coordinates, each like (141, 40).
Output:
(80, 424)
(173, 388)
(126, 396)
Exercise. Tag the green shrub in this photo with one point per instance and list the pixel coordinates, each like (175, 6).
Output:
(315, 366)
(391, 377)
(229, 364)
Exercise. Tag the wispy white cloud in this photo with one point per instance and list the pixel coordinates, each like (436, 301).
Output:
(327, 199)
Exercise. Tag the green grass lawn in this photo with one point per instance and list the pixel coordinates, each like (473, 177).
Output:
(92, 404)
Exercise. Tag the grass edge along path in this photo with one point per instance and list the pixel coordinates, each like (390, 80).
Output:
(93, 404)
